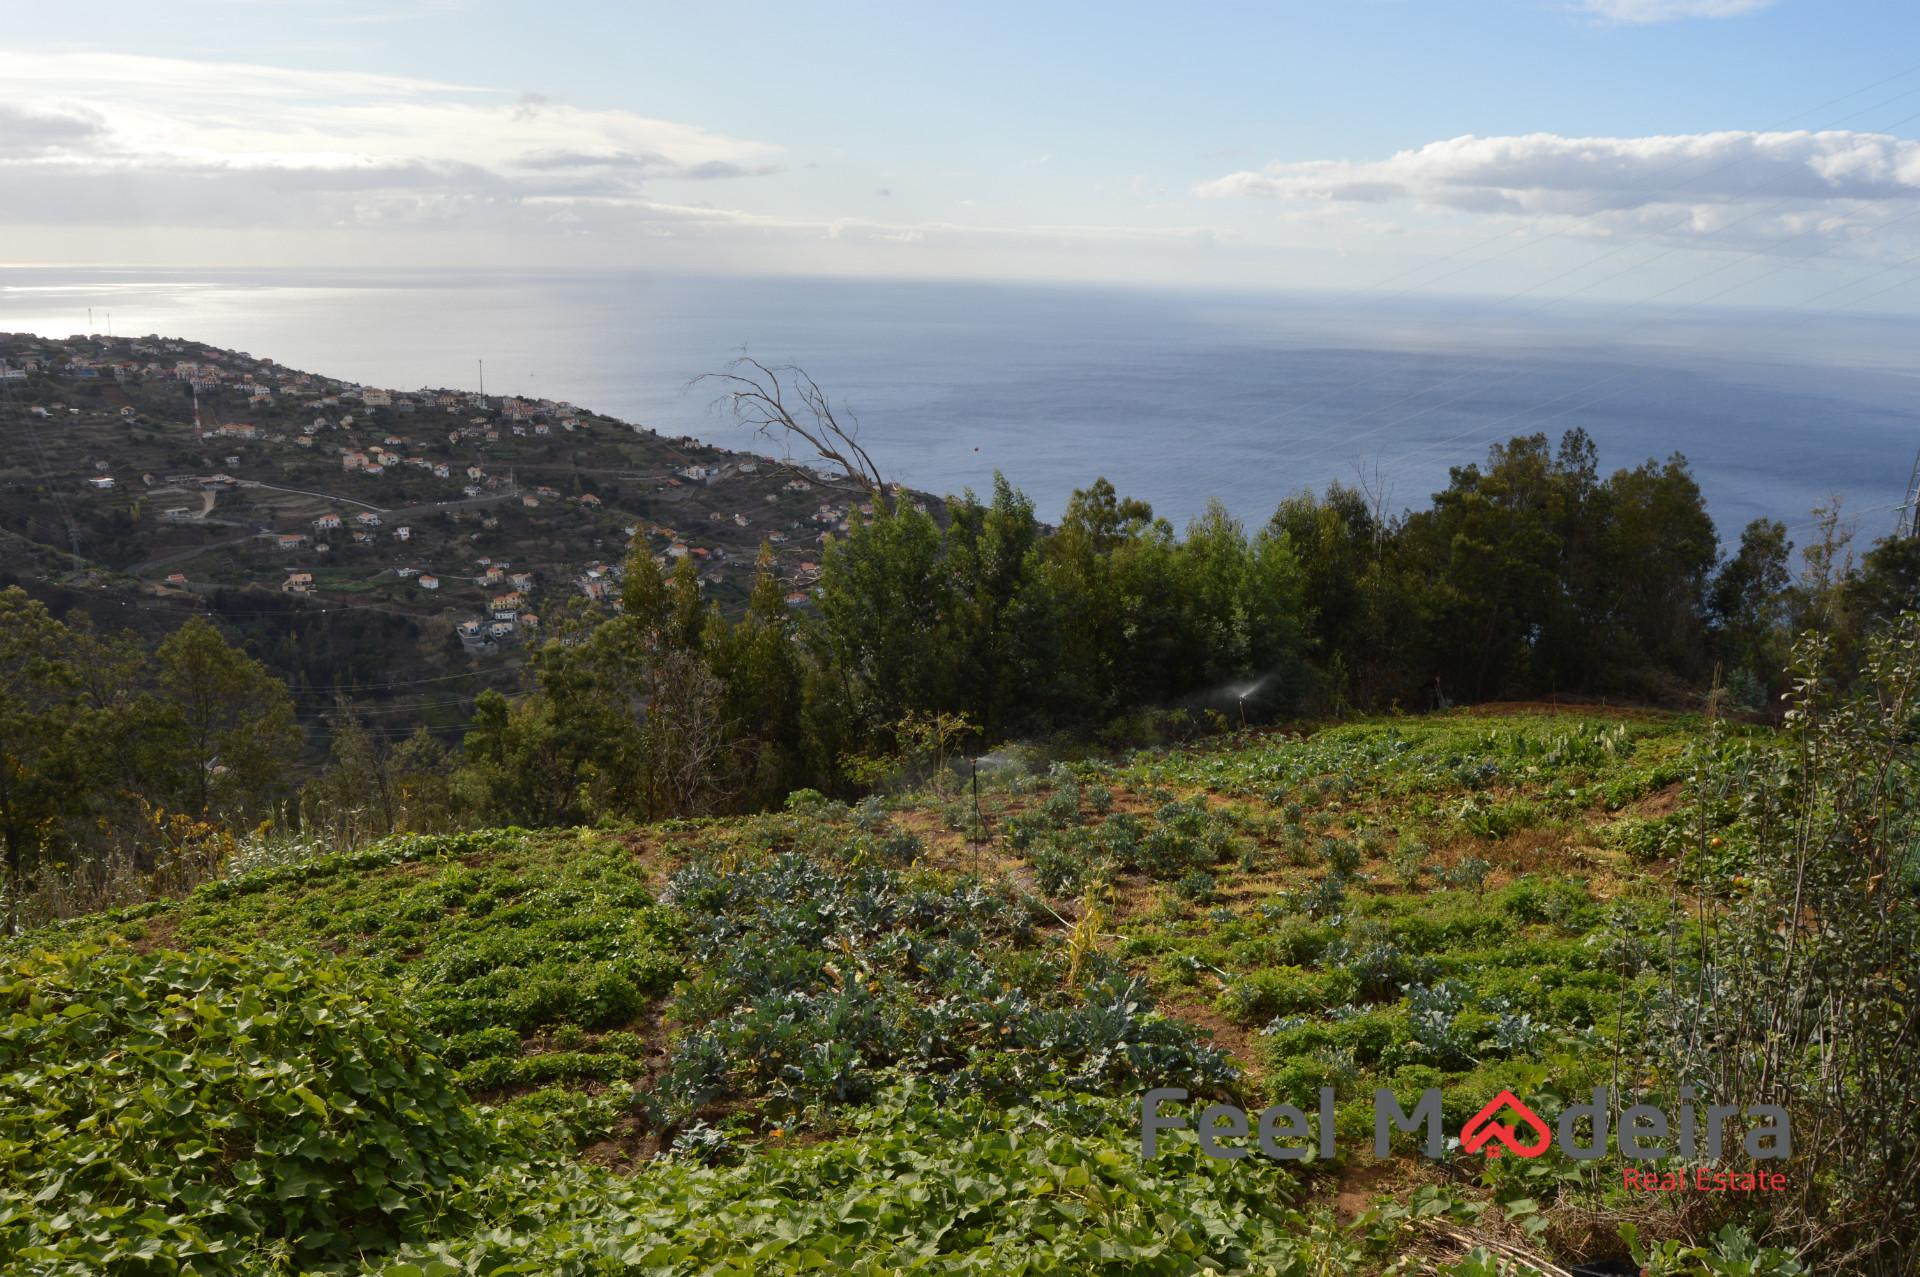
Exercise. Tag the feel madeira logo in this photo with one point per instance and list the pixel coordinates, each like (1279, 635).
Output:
(1507, 1127)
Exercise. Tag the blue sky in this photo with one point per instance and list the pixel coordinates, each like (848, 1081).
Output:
(1598, 148)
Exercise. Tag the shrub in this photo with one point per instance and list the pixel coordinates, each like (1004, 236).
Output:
(1262, 995)
(1528, 899)
(1469, 873)
(1378, 963)
(1808, 996)
(1409, 862)
(1119, 838)
(1342, 855)
(811, 802)
(1326, 897)
(1197, 888)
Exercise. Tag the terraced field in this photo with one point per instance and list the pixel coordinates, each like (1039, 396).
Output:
(887, 1037)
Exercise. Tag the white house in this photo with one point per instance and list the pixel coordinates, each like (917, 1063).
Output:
(429, 582)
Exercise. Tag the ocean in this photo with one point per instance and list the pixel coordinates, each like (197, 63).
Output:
(1175, 396)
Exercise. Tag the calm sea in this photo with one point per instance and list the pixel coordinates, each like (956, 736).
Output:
(1177, 397)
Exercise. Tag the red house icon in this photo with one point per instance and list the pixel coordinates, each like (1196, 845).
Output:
(1486, 1127)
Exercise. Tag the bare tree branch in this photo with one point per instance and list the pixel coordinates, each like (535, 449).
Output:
(783, 403)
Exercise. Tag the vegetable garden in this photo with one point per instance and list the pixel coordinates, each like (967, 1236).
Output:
(876, 1039)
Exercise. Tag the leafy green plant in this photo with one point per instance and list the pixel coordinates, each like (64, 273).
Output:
(1342, 855)
(1469, 872)
(1198, 887)
(1732, 1254)
(1409, 863)
(167, 1111)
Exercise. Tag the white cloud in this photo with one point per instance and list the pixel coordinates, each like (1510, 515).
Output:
(1643, 12)
(107, 137)
(161, 158)
(1765, 185)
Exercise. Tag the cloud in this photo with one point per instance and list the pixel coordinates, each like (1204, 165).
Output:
(1768, 184)
(651, 164)
(712, 169)
(1645, 12)
(528, 104)
(115, 151)
(158, 141)
(30, 130)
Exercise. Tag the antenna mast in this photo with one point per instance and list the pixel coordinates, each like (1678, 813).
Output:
(483, 376)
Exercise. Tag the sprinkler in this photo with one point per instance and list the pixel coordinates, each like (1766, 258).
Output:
(973, 834)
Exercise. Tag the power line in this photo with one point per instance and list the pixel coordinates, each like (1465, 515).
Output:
(403, 682)
(317, 714)
(293, 610)
(396, 733)
(46, 474)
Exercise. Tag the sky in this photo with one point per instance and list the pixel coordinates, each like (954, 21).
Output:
(1730, 152)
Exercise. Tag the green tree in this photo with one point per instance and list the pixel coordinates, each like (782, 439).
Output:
(511, 771)
(125, 740)
(758, 664)
(230, 726)
(1884, 585)
(1087, 600)
(886, 617)
(420, 773)
(42, 780)
(352, 795)
(1749, 604)
(1490, 549)
(1337, 544)
(643, 591)
(1004, 632)
(1659, 552)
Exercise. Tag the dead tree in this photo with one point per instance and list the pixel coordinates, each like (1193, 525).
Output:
(783, 404)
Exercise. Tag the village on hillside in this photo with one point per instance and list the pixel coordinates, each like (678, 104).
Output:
(178, 469)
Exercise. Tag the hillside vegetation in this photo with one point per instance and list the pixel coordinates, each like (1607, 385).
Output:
(882, 1037)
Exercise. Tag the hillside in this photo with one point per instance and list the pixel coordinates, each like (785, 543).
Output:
(345, 529)
(881, 1038)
